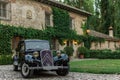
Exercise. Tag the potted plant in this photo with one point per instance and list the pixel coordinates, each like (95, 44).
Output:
(69, 50)
(82, 51)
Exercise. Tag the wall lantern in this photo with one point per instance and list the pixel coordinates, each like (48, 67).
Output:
(88, 31)
(75, 42)
(65, 41)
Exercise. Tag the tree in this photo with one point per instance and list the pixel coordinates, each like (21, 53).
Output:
(81, 4)
(94, 21)
(117, 17)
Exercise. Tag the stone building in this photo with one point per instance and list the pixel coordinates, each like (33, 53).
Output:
(37, 14)
(110, 42)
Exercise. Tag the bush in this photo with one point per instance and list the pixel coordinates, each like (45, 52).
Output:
(69, 50)
(54, 53)
(83, 51)
(104, 54)
(5, 59)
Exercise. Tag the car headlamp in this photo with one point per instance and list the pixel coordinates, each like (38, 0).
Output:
(35, 54)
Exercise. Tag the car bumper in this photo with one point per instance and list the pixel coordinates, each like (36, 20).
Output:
(50, 67)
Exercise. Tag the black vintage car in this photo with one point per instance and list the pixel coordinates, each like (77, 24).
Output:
(32, 55)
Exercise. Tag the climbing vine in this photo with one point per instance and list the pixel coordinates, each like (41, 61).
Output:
(7, 32)
(60, 31)
(89, 39)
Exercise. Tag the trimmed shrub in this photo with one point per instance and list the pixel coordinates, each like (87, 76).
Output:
(104, 54)
(83, 51)
(69, 50)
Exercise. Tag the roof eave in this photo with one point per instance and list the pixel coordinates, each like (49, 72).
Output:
(66, 7)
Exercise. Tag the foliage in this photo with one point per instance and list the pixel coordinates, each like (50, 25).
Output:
(69, 50)
(5, 59)
(106, 15)
(116, 15)
(54, 52)
(102, 66)
(60, 31)
(7, 32)
(104, 54)
(82, 50)
(61, 21)
(81, 4)
(87, 38)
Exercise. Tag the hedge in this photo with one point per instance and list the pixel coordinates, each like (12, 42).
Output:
(5, 59)
(104, 54)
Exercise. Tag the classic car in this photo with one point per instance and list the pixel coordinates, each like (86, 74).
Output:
(34, 55)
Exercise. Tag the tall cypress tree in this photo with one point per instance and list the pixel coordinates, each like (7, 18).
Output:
(106, 16)
(117, 18)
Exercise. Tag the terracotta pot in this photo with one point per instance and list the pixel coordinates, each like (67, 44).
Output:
(81, 56)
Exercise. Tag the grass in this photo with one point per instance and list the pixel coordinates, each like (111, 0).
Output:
(104, 66)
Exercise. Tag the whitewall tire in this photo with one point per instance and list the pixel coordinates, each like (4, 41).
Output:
(25, 70)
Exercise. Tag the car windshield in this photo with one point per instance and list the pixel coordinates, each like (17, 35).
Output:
(37, 45)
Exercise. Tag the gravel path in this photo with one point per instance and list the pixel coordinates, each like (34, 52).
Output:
(6, 73)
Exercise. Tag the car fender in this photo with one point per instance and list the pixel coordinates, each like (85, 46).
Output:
(29, 58)
(62, 57)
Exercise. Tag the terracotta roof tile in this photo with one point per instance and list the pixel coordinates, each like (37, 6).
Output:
(101, 35)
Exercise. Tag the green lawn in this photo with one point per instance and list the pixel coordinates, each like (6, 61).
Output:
(108, 66)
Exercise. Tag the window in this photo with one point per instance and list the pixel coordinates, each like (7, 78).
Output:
(71, 25)
(3, 10)
(69, 43)
(47, 18)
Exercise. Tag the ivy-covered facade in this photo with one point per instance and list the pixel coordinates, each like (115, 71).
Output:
(62, 25)
(40, 20)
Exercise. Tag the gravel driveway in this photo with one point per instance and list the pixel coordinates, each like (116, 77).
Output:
(6, 73)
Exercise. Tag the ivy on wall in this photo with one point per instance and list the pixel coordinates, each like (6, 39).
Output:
(60, 31)
(7, 32)
(89, 39)
(61, 19)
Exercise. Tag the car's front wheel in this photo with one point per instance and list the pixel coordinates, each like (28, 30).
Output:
(63, 71)
(25, 70)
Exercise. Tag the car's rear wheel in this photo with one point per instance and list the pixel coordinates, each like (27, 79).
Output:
(25, 70)
(15, 67)
(63, 71)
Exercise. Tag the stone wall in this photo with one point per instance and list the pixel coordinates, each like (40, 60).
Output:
(28, 13)
(78, 20)
(105, 45)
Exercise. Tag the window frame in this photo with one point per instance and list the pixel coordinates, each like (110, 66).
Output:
(47, 19)
(72, 23)
(6, 10)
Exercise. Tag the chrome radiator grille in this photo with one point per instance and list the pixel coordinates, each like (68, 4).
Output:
(46, 58)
